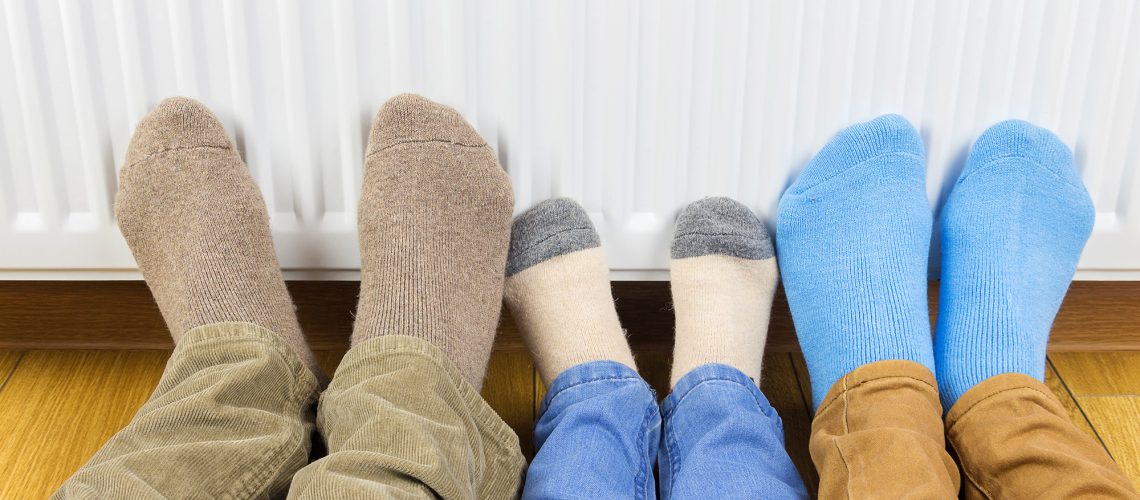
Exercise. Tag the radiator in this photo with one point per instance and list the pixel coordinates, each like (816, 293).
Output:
(633, 108)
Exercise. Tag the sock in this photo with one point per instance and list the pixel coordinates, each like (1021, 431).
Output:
(198, 227)
(434, 225)
(1012, 231)
(558, 290)
(853, 237)
(723, 276)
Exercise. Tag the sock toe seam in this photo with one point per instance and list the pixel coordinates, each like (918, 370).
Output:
(717, 235)
(178, 148)
(831, 177)
(538, 243)
(1038, 164)
(422, 141)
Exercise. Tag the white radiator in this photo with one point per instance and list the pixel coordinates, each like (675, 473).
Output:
(633, 108)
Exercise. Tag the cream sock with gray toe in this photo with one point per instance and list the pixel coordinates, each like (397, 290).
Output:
(723, 278)
(558, 290)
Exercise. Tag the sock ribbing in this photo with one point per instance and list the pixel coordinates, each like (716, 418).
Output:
(853, 236)
(434, 225)
(197, 225)
(1012, 231)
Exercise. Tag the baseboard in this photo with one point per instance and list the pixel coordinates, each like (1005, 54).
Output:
(1096, 315)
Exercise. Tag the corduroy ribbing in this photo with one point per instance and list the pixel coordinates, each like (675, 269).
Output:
(230, 418)
(400, 417)
(434, 225)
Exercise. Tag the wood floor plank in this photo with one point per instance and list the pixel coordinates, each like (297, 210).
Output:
(509, 389)
(1115, 419)
(781, 386)
(58, 408)
(1099, 373)
(1059, 389)
(329, 360)
(8, 362)
(1096, 315)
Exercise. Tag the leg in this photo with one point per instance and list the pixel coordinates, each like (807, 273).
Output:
(599, 428)
(403, 417)
(231, 416)
(722, 439)
(1013, 229)
(853, 238)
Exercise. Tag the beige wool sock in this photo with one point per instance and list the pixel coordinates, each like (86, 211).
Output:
(558, 290)
(197, 225)
(434, 225)
(723, 278)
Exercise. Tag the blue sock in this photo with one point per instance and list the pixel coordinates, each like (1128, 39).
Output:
(1012, 231)
(852, 239)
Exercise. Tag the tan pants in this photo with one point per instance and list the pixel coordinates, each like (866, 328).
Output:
(232, 418)
(879, 433)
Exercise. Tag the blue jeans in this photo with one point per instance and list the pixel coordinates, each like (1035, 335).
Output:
(716, 436)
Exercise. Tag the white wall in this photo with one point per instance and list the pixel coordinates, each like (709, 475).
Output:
(634, 108)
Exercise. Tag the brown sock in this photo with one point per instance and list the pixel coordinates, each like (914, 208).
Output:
(435, 222)
(198, 227)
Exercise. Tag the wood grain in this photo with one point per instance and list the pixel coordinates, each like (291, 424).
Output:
(1096, 316)
(1076, 414)
(58, 408)
(780, 384)
(1116, 421)
(509, 390)
(8, 362)
(1100, 374)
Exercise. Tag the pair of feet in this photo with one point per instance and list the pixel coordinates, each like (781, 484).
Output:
(434, 225)
(723, 271)
(853, 236)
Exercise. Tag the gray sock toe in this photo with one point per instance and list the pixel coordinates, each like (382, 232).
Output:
(554, 227)
(720, 226)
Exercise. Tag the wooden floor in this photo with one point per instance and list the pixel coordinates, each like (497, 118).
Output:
(58, 407)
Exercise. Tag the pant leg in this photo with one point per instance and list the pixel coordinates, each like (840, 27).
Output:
(722, 439)
(400, 422)
(230, 418)
(878, 434)
(1015, 440)
(597, 436)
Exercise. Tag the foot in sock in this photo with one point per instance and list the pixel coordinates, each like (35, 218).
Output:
(434, 225)
(723, 277)
(558, 290)
(1012, 231)
(197, 225)
(853, 237)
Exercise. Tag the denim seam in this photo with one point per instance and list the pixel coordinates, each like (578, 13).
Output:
(671, 448)
(685, 394)
(643, 479)
(559, 392)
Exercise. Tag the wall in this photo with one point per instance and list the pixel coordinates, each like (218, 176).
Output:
(634, 108)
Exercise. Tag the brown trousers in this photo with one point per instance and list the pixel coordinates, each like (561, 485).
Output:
(879, 433)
